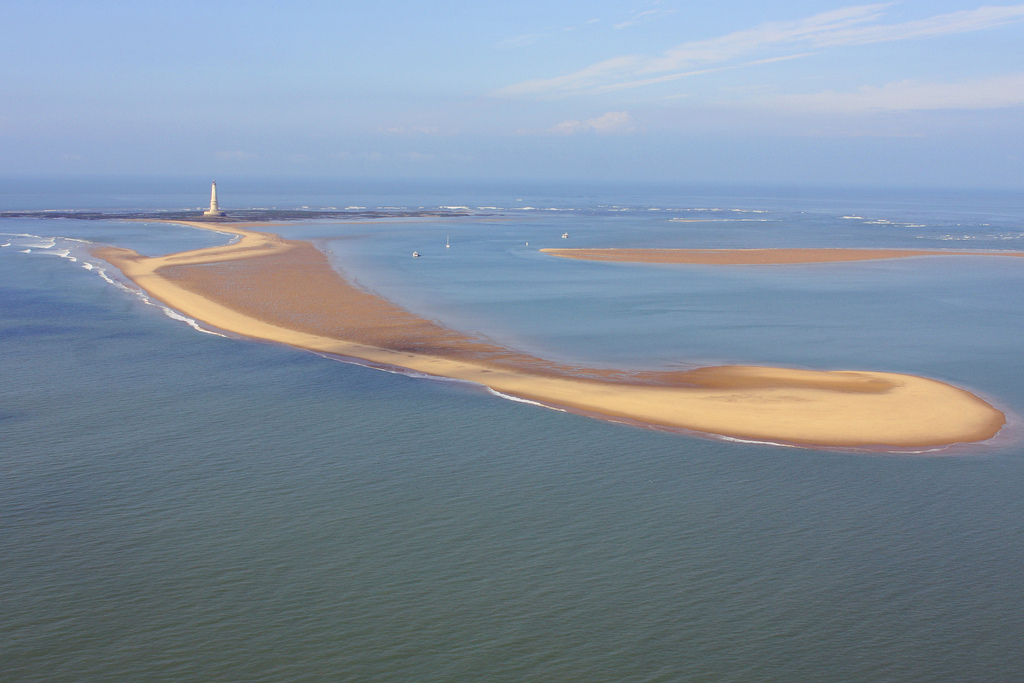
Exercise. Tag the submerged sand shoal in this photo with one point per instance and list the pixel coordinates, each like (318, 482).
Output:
(750, 257)
(267, 287)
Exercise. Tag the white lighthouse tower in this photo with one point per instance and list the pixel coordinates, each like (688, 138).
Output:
(214, 209)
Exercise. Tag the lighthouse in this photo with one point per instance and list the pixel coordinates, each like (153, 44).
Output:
(214, 209)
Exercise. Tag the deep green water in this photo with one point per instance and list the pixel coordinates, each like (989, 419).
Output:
(181, 506)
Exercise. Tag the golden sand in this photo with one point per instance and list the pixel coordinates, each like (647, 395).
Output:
(750, 257)
(266, 287)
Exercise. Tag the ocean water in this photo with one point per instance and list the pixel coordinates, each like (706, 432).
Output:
(177, 505)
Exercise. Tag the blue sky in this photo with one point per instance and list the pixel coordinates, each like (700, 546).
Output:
(736, 91)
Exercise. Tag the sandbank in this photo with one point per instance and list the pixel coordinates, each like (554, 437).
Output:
(266, 287)
(749, 257)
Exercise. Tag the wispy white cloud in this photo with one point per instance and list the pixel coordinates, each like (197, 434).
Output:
(609, 70)
(988, 93)
(943, 24)
(613, 122)
(816, 31)
(854, 25)
(684, 74)
(644, 16)
(527, 39)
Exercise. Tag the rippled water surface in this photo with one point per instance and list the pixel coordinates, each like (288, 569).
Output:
(182, 506)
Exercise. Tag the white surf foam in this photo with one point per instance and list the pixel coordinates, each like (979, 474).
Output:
(509, 397)
(62, 253)
(44, 243)
(145, 298)
(169, 312)
(879, 449)
(734, 439)
(414, 374)
(174, 315)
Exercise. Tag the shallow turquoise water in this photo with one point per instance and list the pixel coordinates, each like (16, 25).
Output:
(180, 506)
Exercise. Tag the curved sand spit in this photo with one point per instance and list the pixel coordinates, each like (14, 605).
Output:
(266, 287)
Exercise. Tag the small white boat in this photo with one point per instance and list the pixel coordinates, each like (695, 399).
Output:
(415, 254)
(447, 242)
(565, 235)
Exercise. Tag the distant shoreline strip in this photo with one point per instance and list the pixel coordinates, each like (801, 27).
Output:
(752, 257)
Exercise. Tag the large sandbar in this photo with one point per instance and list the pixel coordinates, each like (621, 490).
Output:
(267, 287)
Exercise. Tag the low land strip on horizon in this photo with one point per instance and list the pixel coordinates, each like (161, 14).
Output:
(750, 257)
